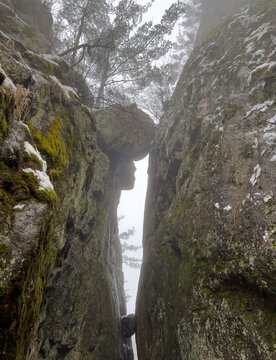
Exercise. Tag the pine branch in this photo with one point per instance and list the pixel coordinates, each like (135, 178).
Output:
(85, 46)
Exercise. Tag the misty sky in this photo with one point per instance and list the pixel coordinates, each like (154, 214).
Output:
(132, 202)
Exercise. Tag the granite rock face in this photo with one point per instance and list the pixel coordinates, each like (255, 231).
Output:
(208, 285)
(61, 281)
(124, 130)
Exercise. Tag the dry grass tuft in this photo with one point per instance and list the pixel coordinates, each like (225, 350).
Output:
(20, 102)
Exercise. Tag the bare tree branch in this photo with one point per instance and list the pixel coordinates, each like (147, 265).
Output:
(85, 46)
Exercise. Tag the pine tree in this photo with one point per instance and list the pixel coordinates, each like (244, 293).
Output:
(112, 46)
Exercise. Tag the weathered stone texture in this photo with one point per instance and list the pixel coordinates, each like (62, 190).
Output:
(125, 131)
(207, 289)
(61, 281)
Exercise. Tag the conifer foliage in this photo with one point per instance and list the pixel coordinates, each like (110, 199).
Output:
(112, 46)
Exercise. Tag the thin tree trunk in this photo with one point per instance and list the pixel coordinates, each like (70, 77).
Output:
(104, 78)
(79, 34)
(99, 98)
(82, 46)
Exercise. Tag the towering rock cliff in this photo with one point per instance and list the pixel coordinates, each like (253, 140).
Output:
(207, 289)
(213, 11)
(61, 282)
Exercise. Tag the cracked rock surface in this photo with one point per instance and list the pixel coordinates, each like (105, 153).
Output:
(207, 288)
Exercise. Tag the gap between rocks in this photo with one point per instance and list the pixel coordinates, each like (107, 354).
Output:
(131, 206)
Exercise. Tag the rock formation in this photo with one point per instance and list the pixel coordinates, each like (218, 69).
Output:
(61, 281)
(124, 129)
(207, 289)
(213, 12)
(129, 325)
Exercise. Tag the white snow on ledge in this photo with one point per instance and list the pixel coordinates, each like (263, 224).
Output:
(44, 180)
(32, 151)
(270, 131)
(65, 88)
(228, 208)
(267, 198)
(261, 107)
(7, 82)
(19, 207)
(51, 58)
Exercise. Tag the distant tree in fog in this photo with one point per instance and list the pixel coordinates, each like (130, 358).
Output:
(130, 261)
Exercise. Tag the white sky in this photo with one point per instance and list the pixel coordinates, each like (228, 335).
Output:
(132, 202)
(131, 206)
(156, 10)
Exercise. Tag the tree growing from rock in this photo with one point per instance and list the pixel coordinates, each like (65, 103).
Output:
(109, 42)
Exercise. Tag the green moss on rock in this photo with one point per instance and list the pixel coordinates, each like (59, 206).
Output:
(3, 166)
(15, 187)
(52, 143)
(25, 296)
(48, 196)
(3, 127)
(33, 160)
(5, 110)
(39, 63)
(207, 292)
(5, 204)
(220, 266)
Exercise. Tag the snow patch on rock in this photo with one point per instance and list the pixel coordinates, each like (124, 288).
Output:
(255, 176)
(65, 88)
(44, 180)
(261, 107)
(19, 207)
(7, 82)
(228, 208)
(32, 151)
(267, 198)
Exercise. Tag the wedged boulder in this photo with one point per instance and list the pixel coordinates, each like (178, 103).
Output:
(124, 132)
(128, 325)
